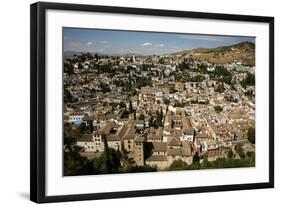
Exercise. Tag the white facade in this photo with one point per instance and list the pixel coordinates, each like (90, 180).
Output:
(186, 137)
(116, 145)
(88, 146)
(74, 117)
(98, 143)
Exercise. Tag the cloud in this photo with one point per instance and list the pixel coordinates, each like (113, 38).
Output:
(146, 44)
(204, 38)
(104, 42)
(89, 43)
(160, 45)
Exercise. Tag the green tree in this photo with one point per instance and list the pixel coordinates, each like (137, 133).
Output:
(250, 79)
(251, 134)
(131, 169)
(91, 127)
(240, 150)
(105, 87)
(196, 158)
(109, 161)
(250, 154)
(68, 68)
(74, 163)
(249, 93)
(151, 122)
(122, 104)
(166, 101)
(67, 97)
(178, 165)
(158, 121)
(131, 109)
(230, 154)
(220, 88)
(205, 162)
(218, 109)
(82, 127)
(161, 117)
(96, 56)
(141, 117)
(80, 66)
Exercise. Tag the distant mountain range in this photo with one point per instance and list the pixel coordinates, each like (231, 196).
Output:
(243, 52)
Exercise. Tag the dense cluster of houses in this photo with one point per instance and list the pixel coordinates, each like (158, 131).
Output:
(164, 121)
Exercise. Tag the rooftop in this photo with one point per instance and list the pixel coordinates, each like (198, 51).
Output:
(159, 146)
(157, 158)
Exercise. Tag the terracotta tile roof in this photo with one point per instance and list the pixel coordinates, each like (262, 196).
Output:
(174, 142)
(141, 138)
(159, 146)
(112, 137)
(174, 152)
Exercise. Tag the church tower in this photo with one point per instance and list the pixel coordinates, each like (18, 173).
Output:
(139, 144)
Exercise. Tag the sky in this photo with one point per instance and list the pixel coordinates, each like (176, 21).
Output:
(144, 43)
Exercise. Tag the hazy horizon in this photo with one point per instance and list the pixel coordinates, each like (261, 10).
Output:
(116, 42)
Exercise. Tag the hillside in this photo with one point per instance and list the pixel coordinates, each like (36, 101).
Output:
(243, 52)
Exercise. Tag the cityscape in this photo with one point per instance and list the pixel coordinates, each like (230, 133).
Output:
(149, 101)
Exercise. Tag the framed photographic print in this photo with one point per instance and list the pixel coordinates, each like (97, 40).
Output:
(129, 102)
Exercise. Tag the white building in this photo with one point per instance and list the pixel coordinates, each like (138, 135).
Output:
(86, 142)
(98, 143)
(113, 142)
(76, 116)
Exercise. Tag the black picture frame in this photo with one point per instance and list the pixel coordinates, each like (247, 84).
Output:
(38, 101)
